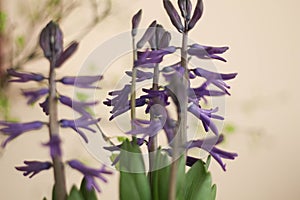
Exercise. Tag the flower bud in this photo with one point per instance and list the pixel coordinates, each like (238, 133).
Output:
(51, 41)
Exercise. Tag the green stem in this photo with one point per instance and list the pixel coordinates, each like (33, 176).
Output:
(58, 166)
(180, 134)
(133, 84)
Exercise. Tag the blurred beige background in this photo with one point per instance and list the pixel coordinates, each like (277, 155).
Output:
(264, 106)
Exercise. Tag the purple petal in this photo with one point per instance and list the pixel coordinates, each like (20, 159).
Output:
(147, 35)
(173, 15)
(197, 14)
(66, 54)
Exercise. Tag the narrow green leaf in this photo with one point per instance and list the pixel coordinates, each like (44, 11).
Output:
(213, 192)
(75, 194)
(87, 195)
(134, 184)
(207, 163)
(180, 184)
(53, 193)
(160, 177)
(198, 183)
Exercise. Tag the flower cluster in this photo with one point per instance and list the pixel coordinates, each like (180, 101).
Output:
(159, 95)
(51, 42)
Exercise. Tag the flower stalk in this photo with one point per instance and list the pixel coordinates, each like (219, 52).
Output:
(58, 166)
(180, 133)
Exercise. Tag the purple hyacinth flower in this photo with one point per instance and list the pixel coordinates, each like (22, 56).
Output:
(207, 52)
(196, 94)
(14, 130)
(81, 81)
(136, 19)
(120, 100)
(148, 58)
(34, 95)
(141, 75)
(54, 145)
(51, 40)
(151, 129)
(209, 146)
(155, 97)
(78, 106)
(80, 123)
(66, 54)
(45, 106)
(215, 78)
(34, 167)
(90, 174)
(147, 35)
(173, 15)
(197, 15)
(24, 77)
(205, 116)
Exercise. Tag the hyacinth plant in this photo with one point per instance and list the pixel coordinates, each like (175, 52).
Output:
(173, 173)
(51, 42)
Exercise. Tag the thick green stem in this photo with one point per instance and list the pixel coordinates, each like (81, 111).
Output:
(180, 139)
(58, 166)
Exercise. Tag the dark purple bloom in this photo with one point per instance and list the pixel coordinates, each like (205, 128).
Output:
(185, 8)
(135, 22)
(155, 97)
(164, 41)
(151, 129)
(54, 145)
(45, 106)
(196, 94)
(81, 81)
(121, 102)
(173, 15)
(24, 77)
(34, 167)
(147, 35)
(51, 41)
(213, 75)
(13, 130)
(82, 122)
(66, 54)
(141, 75)
(78, 106)
(34, 95)
(148, 57)
(214, 78)
(207, 52)
(175, 70)
(205, 116)
(90, 174)
(209, 146)
(197, 14)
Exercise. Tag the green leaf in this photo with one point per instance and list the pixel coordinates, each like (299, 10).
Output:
(198, 183)
(213, 192)
(53, 193)
(87, 195)
(160, 177)
(121, 139)
(134, 184)
(207, 163)
(75, 194)
(180, 184)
